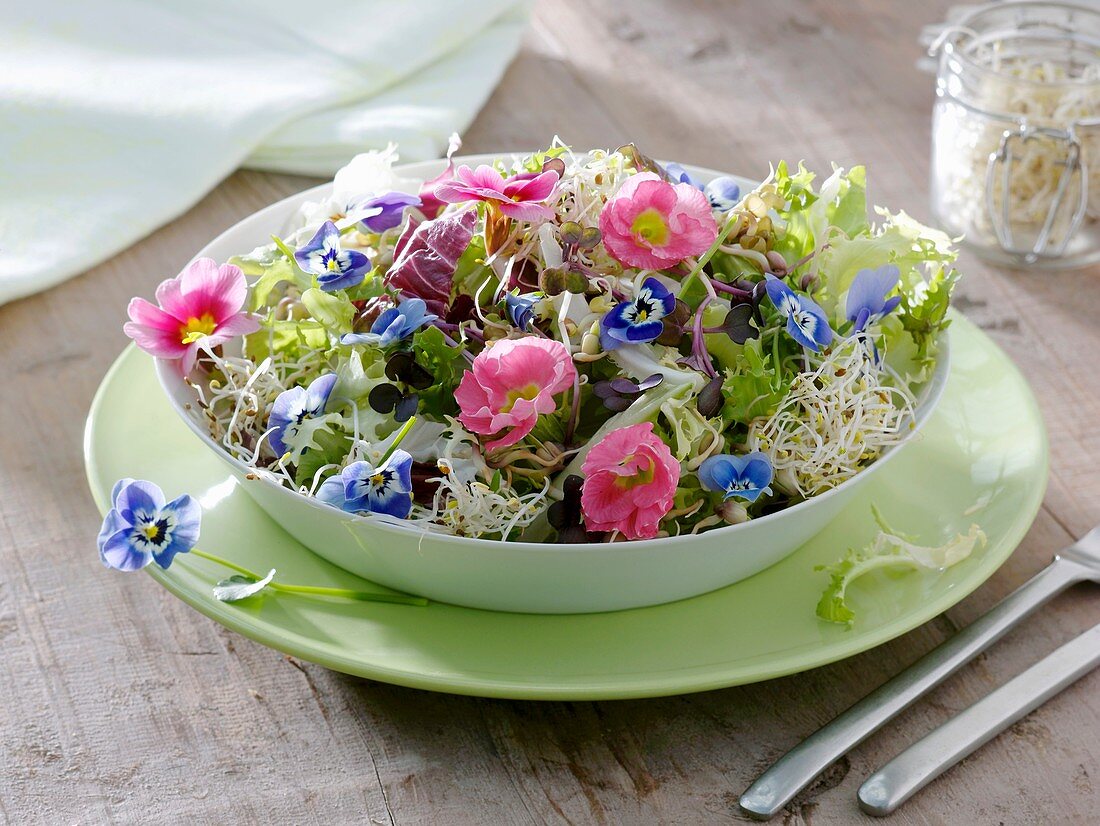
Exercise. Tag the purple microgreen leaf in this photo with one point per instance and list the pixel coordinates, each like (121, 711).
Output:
(383, 398)
(406, 407)
(571, 233)
(603, 390)
(738, 324)
(623, 385)
(554, 165)
(710, 399)
(590, 238)
(617, 403)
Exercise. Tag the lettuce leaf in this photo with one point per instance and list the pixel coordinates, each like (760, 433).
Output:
(291, 339)
(333, 310)
(446, 364)
(752, 387)
(889, 549)
(909, 245)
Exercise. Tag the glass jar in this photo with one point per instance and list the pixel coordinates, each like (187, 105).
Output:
(1016, 133)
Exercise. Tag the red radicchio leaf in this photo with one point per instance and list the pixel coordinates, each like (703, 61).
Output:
(427, 255)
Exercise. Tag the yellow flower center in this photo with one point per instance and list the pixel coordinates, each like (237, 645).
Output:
(643, 477)
(196, 328)
(649, 227)
(528, 392)
(151, 531)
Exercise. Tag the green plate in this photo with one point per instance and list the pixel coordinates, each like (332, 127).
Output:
(981, 458)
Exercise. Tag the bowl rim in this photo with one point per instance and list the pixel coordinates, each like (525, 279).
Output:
(169, 377)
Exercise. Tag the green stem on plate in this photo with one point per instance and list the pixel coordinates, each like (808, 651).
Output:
(233, 566)
(315, 590)
(346, 593)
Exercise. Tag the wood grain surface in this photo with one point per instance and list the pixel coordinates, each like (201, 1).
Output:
(119, 704)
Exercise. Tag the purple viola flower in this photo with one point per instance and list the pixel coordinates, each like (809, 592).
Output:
(382, 212)
(336, 268)
(386, 489)
(723, 192)
(639, 319)
(294, 406)
(867, 301)
(394, 324)
(521, 309)
(744, 477)
(806, 321)
(141, 527)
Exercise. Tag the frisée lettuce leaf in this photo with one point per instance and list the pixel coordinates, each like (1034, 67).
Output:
(889, 549)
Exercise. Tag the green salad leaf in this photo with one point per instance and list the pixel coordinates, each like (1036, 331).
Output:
(333, 310)
(754, 386)
(889, 549)
(446, 364)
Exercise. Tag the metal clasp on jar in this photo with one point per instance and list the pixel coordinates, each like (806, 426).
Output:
(1000, 219)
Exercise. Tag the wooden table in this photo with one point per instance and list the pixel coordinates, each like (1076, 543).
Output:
(118, 703)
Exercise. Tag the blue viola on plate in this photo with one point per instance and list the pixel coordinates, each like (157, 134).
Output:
(335, 267)
(638, 320)
(142, 527)
(742, 477)
(806, 321)
(394, 324)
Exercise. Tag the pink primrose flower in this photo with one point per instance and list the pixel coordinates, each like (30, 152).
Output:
(630, 480)
(510, 383)
(200, 305)
(652, 224)
(519, 196)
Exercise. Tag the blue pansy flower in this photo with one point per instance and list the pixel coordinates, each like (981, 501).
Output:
(336, 268)
(393, 324)
(679, 175)
(382, 212)
(745, 477)
(521, 309)
(638, 320)
(723, 192)
(363, 488)
(867, 301)
(294, 406)
(806, 321)
(141, 528)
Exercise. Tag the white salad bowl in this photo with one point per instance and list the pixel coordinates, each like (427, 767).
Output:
(526, 577)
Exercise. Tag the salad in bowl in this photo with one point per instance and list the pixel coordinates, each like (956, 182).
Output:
(557, 381)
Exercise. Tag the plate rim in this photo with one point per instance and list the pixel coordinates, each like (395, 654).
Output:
(591, 687)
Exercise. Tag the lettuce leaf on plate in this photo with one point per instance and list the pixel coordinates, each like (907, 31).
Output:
(889, 549)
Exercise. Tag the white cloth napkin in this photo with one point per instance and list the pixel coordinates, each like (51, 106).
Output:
(117, 116)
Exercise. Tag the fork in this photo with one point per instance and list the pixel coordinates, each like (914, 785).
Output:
(928, 758)
(798, 767)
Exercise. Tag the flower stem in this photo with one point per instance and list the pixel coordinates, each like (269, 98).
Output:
(233, 566)
(283, 248)
(346, 593)
(315, 590)
(401, 434)
(704, 259)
